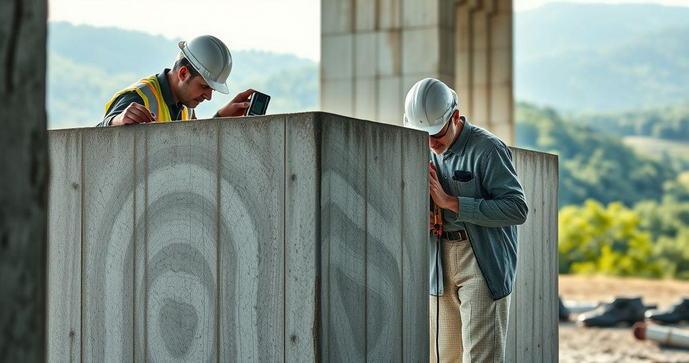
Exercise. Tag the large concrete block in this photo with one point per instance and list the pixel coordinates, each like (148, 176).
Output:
(241, 240)
(107, 241)
(251, 222)
(301, 218)
(64, 241)
(389, 53)
(535, 339)
(337, 56)
(181, 237)
(277, 238)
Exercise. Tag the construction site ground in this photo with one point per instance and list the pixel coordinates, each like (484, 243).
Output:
(580, 344)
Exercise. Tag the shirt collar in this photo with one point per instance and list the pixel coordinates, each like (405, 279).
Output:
(460, 144)
(165, 88)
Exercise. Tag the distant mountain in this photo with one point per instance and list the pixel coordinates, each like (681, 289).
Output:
(87, 65)
(598, 57)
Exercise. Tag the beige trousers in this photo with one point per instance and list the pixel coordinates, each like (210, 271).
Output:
(473, 327)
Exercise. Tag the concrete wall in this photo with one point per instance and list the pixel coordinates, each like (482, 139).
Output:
(280, 238)
(532, 334)
(373, 51)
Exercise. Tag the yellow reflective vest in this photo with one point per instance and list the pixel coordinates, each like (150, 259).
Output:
(149, 90)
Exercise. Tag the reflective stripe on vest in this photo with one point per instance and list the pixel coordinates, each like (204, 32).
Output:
(149, 90)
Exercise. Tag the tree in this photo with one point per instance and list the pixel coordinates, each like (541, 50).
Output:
(606, 240)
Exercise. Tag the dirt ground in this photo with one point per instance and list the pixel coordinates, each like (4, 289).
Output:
(579, 344)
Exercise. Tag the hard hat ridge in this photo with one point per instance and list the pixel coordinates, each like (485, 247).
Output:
(211, 58)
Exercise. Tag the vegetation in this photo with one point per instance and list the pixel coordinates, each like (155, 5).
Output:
(622, 214)
(593, 165)
(668, 122)
(606, 240)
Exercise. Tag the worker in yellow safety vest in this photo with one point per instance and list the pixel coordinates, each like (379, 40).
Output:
(202, 66)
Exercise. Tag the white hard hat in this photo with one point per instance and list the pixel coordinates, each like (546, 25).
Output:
(211, 58)
(429, 105)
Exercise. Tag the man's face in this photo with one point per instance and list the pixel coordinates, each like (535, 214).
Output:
(194, 90)
(440, 142)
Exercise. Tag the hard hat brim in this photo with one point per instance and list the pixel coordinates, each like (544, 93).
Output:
(220, 87)
(216, 86)
(431, 130)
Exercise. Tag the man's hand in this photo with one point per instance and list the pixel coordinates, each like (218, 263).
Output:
(440, 198)
(133, 114)
(238, 105)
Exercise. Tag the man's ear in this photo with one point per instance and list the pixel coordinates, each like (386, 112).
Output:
(455, 117)
(183, 73)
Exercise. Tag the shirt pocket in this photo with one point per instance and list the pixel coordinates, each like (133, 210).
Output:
(467, 186)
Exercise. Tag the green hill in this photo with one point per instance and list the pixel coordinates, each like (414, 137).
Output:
(593, 165)
(598, 57)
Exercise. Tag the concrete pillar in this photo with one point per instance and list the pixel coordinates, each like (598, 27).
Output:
(23, 181)
(373, 51)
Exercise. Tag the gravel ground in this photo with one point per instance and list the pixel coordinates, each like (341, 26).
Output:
(586, 345)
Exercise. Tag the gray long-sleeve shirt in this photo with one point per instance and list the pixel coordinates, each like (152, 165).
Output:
(478, 170)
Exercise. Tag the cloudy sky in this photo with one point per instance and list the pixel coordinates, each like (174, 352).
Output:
(284, 26)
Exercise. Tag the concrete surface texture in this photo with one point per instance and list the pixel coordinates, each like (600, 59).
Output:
(373, 51)
(278, 238)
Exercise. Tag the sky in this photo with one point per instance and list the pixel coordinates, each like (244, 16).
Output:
(281, 26)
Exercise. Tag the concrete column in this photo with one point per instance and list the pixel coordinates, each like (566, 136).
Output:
(373, 51)
(501, 70)
(23, 181)
(484, 64)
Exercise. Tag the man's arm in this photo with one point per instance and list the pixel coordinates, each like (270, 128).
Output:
(120, 104)
(506, 205)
